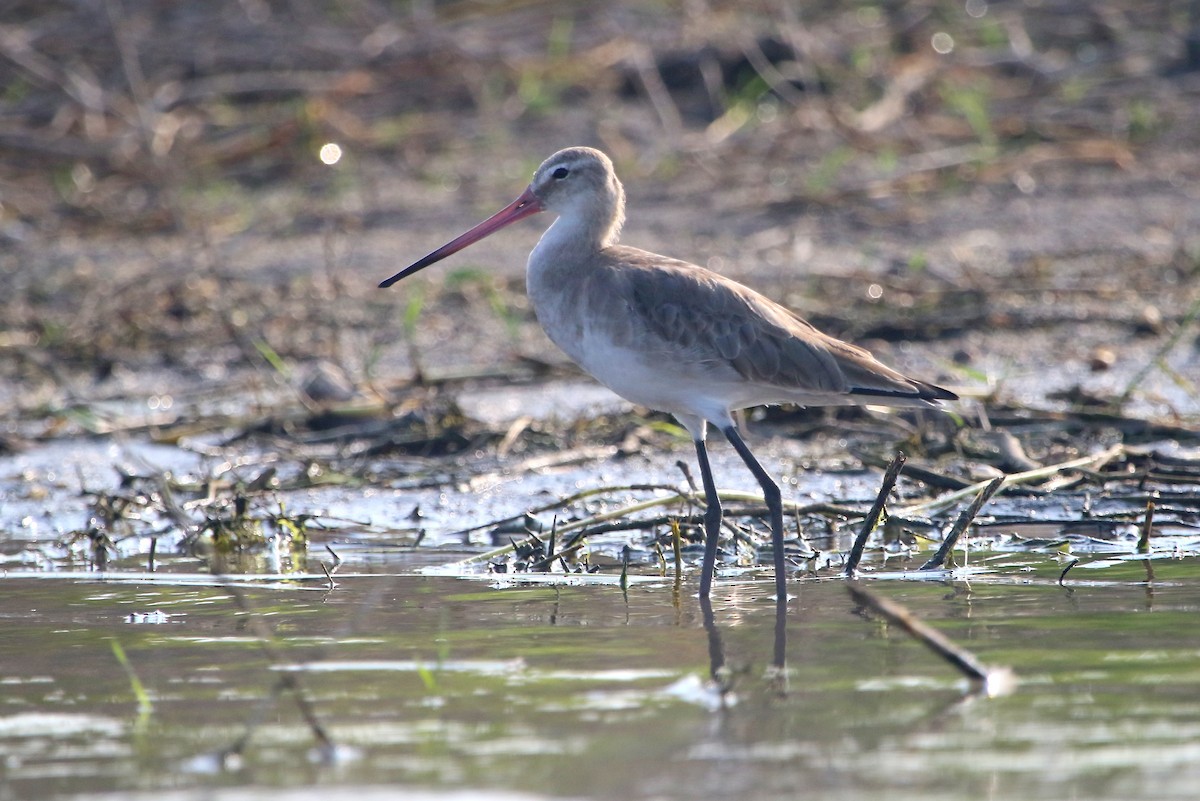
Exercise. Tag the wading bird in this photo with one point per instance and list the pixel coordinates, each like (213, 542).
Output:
(672, 336)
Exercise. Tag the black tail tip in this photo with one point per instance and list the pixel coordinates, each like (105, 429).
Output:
(932, 392)
(929, 393)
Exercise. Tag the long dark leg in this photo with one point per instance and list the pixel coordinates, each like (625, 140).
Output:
(774, 501)
(780, 660)
(712, 519)
(716, 649)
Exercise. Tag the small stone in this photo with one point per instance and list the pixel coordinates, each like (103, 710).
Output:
(328, 383)
(1102, 358)
(1149, 321)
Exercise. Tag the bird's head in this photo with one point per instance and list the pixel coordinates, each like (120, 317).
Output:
(578, 184)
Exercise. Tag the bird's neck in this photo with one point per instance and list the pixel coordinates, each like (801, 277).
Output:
(573, 235)
(589, 223)
(559, 265)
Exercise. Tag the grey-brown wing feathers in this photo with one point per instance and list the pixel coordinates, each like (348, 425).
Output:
(703, 317)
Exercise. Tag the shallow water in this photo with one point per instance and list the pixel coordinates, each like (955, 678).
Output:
(587, 692)
(446, 683)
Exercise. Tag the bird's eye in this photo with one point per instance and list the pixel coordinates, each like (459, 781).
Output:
(561, 172)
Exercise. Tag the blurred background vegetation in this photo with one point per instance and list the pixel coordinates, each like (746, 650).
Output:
(184, 185)
(124, 113)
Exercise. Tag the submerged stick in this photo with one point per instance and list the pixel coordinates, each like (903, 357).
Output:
(1143, 545)
(889, 481)
(677, 550)
(993, 680)
(1063, 575)
(960, 525)
(288, 680)
(145, 705)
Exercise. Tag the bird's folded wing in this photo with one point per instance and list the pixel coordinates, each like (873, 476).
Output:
(700, 316)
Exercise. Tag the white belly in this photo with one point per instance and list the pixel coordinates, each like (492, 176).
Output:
(690, 391)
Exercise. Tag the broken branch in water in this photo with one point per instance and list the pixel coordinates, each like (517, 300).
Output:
(963, 521)
(991, 680)
(889, 481)
(1143, 545)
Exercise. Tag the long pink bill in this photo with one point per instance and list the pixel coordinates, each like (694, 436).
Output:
(519, 209)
